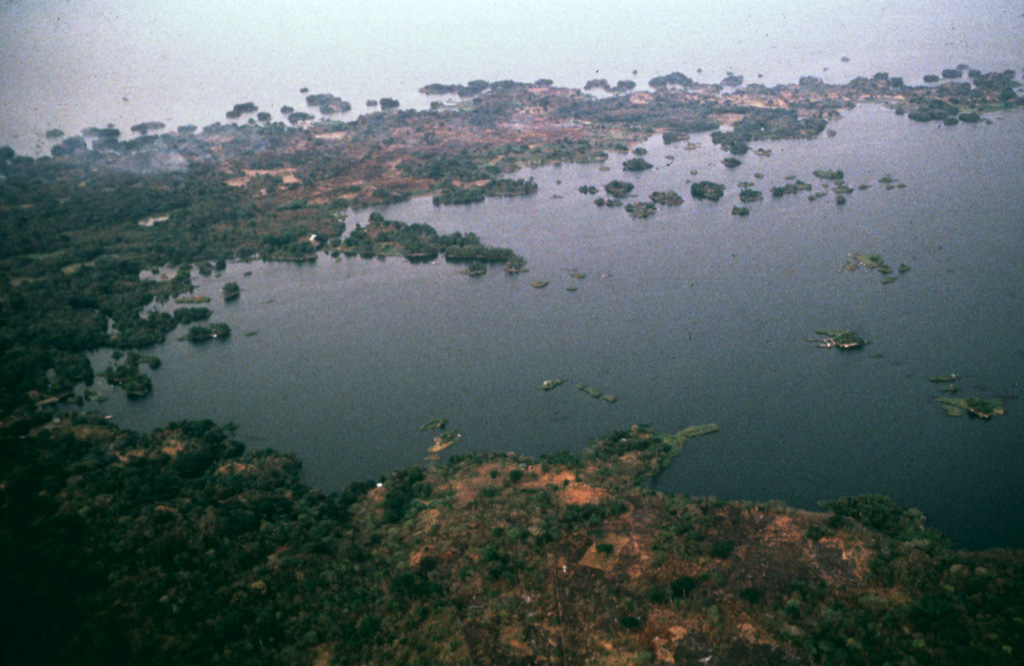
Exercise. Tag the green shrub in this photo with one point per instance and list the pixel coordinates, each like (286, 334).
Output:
(722, 549)
(682, 586)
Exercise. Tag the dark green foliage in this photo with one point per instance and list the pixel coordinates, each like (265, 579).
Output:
(722, 549)
(402, 488)
(815, 532)
(240, 109)
(507, 187)
(389, 237)
(748, 195)
(682, 586)
(761, 124)
(629, 622)
(667, 198)
(128, 376)
(673, 79)
(641, 209)
(659, 594)
(452, 195)
(751, 595)
(636, 164)
(791, 188)
(882, 514)
(189, 315)
(935, 109)
(618, 188)
(203, 333)
(706, 189)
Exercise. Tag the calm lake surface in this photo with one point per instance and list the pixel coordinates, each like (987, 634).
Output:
(690, 316)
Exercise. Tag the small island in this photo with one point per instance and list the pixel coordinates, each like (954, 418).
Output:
(475, 269)
(444, 440)
(618, 188)
(641, 209)
(841, 339)
(666, 198)
(434, 424)
(594, 393)
(706, 189)
(976, 407)
(127, 376)
(636, 164)
(219, 331)
(231, 292)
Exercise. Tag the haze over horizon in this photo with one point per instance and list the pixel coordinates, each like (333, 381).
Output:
(71, 66)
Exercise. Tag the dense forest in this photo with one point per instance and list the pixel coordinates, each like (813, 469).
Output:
(181, 547)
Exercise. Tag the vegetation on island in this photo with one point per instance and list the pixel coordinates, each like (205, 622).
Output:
(858, 260)
(231, 291)
(706, 189)
(636, 164)
(444, 440)
(666, 198)
(127, 375)
(220, 331)
(749, 195)
(420, 242)
(792, 187)
(328, 104)
(434, 424)
(238, 110)
(698, 430)
(982, 408)
(641, 209)
(841, 339)
(594, 393)
(475, 269)
(618, 188)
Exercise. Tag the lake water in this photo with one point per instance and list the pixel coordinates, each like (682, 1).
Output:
(690, 316)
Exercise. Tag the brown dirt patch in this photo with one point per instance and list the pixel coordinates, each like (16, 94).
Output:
(581, 493)
(551, 478)
(235, 467)
(287, 176)
(623, 548)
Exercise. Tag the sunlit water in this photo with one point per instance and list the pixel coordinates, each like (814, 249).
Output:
(691, 316)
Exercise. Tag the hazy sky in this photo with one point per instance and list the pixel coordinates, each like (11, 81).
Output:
(72, 64)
